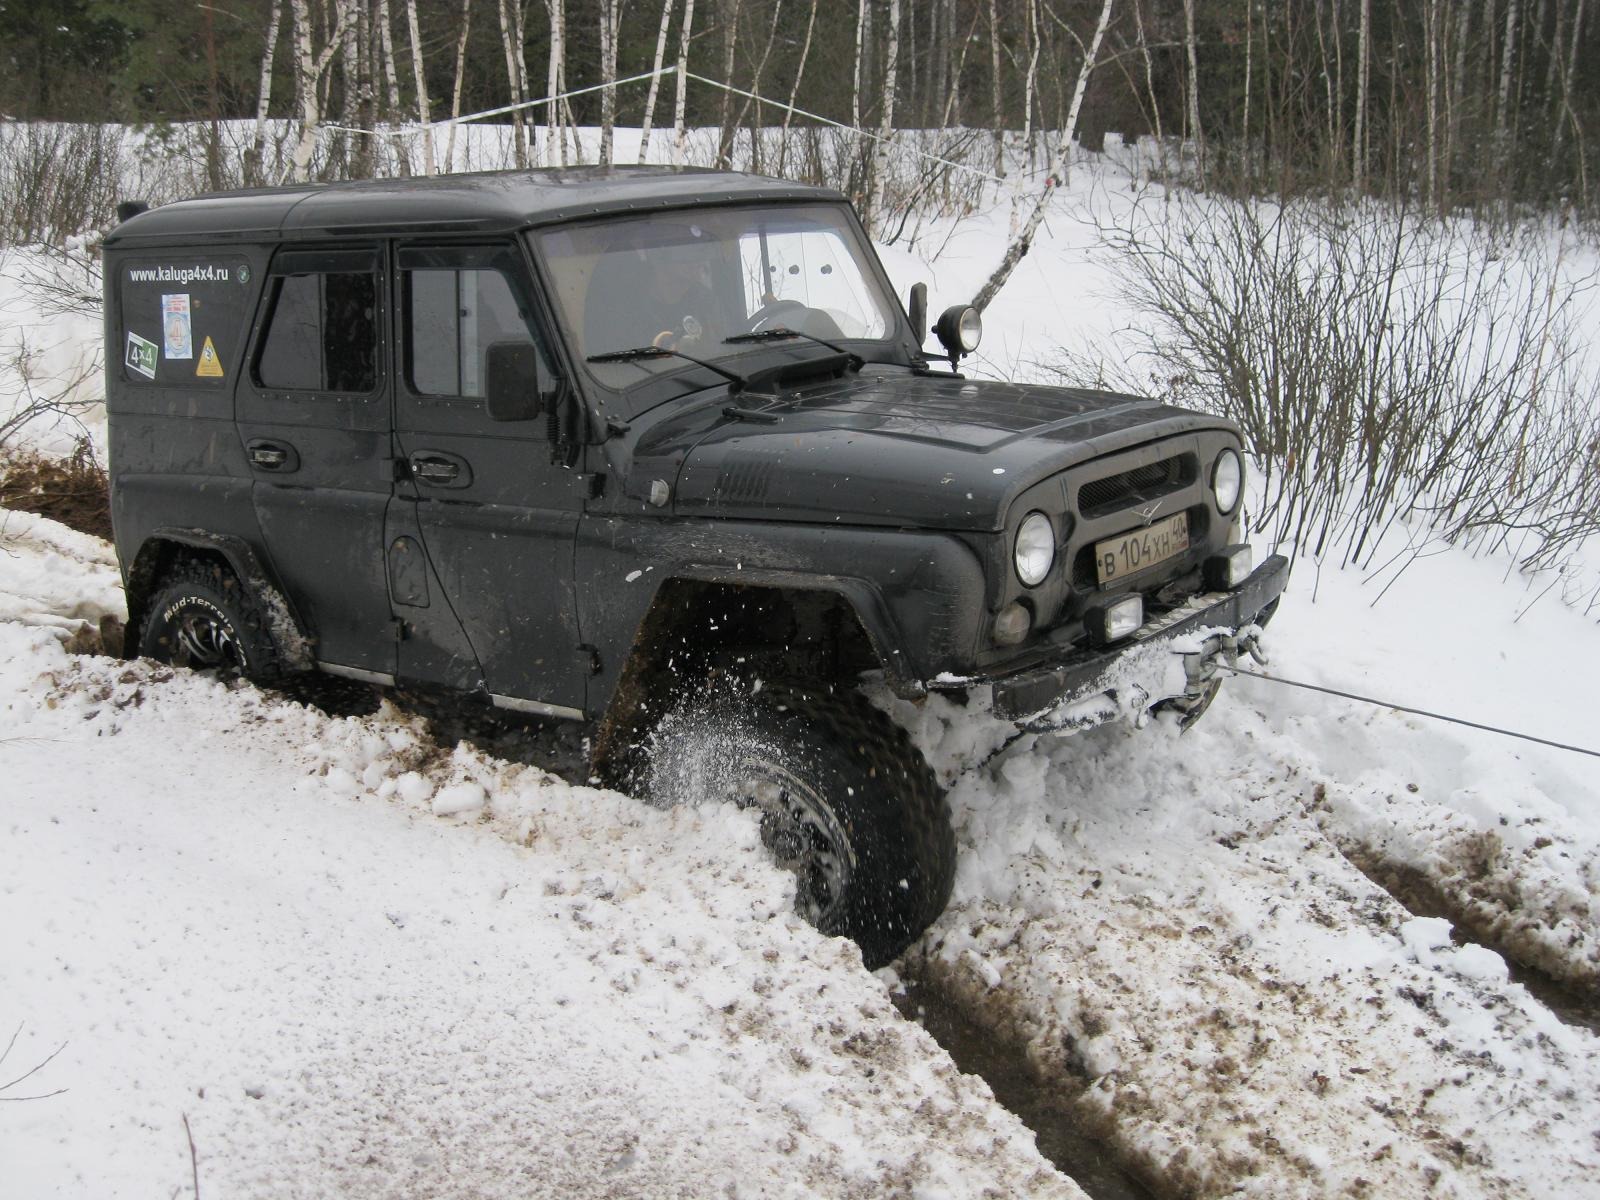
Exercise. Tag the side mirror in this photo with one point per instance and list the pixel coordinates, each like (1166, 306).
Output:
(917, 310)
(517, 381)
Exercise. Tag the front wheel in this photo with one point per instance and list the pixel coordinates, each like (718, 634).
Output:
(846, 803)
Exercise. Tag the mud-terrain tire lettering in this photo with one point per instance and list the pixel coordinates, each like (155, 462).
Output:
(203, 617)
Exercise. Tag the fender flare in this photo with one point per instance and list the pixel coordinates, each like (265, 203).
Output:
(290, 631)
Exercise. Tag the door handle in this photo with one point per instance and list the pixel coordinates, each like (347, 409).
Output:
(272, 456)
(436, 470)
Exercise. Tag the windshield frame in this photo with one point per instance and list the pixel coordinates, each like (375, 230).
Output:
(669, 378)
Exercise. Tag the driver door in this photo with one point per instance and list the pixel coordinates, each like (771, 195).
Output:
(489, 597)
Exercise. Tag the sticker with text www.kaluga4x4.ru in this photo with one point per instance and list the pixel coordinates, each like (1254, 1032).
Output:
(142, 356)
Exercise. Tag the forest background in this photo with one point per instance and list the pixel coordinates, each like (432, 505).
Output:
(1449, 103)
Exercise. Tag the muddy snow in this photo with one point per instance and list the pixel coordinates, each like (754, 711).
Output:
(344, 957)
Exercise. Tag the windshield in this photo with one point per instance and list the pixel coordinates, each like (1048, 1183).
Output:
(687, 281)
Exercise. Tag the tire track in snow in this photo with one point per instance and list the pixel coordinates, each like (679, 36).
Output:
(1165, 931)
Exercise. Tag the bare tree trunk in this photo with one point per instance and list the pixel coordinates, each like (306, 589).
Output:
(1249, 62)
(655, 79)
(998, 103)
(556, 83)
(879, 189)
(392, 82)
(423, 106)
(1508, 49)
(755, 86)
(1063, 154)
(680, 105)
(855, 91)
(1030, 87)
(794, 89)
(455, 95)
(1192, 108)
(1433, 19)
(309, 71)
(509, 41)
(254, 167)
(729, 16)
(610, 15)
(1149, 66)
(1358, 168)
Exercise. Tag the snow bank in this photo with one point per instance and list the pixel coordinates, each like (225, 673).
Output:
(237, 911)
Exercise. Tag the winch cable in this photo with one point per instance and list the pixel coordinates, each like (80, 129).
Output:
(1419, 712)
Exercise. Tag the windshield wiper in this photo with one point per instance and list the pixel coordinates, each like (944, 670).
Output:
(736, 382)
(769, 335)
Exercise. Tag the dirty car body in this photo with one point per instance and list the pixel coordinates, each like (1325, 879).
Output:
(576, 442)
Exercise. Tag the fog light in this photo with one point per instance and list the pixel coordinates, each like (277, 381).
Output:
(1226, 570)
(1013, 624)
(1117, 620)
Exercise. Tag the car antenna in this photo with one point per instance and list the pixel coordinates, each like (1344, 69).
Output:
(736, 382)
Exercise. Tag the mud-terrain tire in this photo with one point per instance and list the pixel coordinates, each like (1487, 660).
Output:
(847, 802)
(202, 617)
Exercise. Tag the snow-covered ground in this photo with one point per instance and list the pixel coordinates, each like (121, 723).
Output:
(361, 963)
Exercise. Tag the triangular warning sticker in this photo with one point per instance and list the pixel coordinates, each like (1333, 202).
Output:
(209, 366)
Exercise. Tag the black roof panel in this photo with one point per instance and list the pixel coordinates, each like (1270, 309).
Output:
(487, 202)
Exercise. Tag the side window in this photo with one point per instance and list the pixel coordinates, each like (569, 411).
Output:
(456, 303)
(183, 318)
(322, 333)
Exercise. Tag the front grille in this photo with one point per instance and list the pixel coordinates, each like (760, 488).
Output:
(1126, 488)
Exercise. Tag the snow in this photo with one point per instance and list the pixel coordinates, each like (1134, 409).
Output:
(359, 961)
(237, 912)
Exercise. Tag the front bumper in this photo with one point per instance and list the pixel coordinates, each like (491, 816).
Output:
(1172, 657)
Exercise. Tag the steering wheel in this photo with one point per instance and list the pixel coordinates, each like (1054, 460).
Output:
(764, 316)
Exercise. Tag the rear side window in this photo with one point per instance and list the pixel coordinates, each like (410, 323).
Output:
(321, 333)
(457, 302)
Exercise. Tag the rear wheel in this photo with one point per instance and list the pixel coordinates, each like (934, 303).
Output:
(846, 803)
(202, 617)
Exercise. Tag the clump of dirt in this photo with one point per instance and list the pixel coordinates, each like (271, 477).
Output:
(74, 490)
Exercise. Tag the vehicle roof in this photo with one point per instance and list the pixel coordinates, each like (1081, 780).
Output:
(484, 202)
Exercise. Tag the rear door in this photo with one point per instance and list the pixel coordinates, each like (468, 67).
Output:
(496, 516)
(313, 412)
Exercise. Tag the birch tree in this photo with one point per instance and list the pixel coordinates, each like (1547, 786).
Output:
(254, 164)
(511, 32)
(1023, 242)
(391, 81)
(1358, 167)
(655, 78)
(309, 70)
(556, 83)
(679, 132)
(455, 94)
(610, 16)
(891, 77)
(423, 106)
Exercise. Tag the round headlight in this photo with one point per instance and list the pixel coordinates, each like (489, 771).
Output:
(970, 330)
(1036, 548)
(959, 329)
(1227, 478)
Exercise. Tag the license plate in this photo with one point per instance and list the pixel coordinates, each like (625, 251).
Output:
(1121, 556)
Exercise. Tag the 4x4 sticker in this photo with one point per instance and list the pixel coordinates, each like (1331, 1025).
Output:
(210, 366)
(141, 356)
(175, 326)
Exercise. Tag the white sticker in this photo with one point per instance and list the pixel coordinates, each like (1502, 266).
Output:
(141, 356)
(175, 327)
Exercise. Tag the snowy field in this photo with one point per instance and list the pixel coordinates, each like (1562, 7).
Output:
(341, 959)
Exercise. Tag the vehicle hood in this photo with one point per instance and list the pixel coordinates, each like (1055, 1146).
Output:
(891, 447)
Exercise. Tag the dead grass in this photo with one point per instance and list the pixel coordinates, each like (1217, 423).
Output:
(74, 491)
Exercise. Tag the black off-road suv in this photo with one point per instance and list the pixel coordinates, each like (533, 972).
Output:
(656, 450)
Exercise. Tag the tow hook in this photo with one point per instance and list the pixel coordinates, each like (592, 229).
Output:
(1200, 666)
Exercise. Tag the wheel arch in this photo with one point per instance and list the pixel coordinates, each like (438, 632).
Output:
(166, 545)
(697, 624)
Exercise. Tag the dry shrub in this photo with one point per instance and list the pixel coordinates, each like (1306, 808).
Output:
(1383, 366)
(74, 491)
